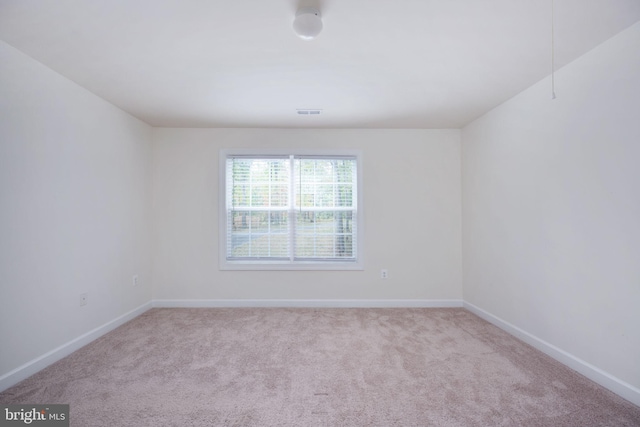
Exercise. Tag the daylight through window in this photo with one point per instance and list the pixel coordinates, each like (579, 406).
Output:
(291, 209)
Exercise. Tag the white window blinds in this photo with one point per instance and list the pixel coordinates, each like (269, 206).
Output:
(291, 208)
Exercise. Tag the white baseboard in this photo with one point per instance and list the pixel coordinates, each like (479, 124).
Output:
(619, 387)
(328, 303)
(25, 371)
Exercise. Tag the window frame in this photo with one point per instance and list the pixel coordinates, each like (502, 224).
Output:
(225, 264)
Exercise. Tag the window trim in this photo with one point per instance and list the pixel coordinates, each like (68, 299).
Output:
(225, 264)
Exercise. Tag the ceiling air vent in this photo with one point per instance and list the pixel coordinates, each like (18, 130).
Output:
(309, 111)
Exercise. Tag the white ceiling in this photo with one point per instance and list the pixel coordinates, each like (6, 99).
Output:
(376, 64)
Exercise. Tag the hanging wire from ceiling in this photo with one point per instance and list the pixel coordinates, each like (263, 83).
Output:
(553, 54)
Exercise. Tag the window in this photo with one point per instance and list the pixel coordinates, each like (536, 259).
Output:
(290, 211)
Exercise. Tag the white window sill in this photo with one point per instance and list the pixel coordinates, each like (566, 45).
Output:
(284, 266)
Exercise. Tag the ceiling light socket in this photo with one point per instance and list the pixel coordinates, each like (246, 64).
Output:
(308, 23)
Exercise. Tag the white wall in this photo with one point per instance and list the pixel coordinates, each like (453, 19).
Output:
(551, 210)
(75, 186)
(412, 217)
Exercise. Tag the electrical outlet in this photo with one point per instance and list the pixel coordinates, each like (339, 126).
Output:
(135, 280)
(84, 298)
(384, 273)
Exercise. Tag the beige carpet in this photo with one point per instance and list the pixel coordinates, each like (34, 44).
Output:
(318, 367)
